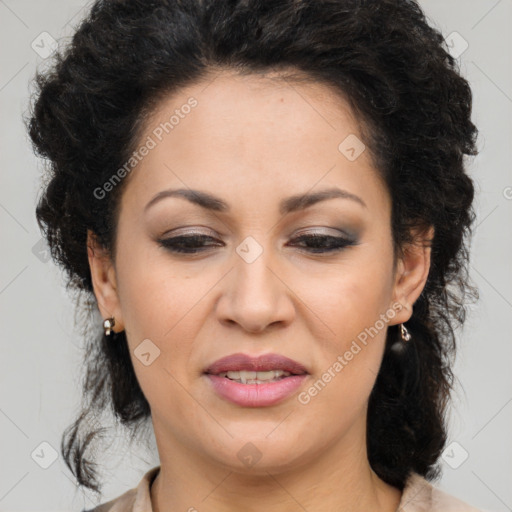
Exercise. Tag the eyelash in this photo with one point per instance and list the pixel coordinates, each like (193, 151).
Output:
(175, 244)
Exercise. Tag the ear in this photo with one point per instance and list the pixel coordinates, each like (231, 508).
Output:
(104, 283)
(412, 272)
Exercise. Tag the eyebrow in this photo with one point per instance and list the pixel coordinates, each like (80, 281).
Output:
(288, 205)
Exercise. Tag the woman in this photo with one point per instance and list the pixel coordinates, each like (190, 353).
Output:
(268, 203)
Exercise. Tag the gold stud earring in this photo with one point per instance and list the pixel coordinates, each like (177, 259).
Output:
(108, 324)
(404, 333)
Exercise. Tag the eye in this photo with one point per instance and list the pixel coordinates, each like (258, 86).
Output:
(188, 244)
(316, 243)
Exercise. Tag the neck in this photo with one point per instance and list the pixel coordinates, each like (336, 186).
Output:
(339, 479)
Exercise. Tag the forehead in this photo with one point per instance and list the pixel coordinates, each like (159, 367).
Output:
(246, 108)
(262, 133)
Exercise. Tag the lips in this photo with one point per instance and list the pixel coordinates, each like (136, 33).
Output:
(250, 392)
(264, 362)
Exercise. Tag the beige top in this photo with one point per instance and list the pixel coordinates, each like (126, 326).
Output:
(419, 495)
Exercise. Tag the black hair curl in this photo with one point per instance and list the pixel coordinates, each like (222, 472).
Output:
(395, 70)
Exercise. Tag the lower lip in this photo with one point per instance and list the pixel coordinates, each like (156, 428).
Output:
(256, 395)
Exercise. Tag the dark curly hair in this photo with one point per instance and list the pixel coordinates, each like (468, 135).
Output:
(415, 108)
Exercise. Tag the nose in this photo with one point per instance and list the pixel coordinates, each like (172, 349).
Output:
(256, 296)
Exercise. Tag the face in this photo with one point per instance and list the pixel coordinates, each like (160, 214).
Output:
(256, 271)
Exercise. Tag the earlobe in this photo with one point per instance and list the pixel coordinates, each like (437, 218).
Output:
(104, 282)
(412, 272)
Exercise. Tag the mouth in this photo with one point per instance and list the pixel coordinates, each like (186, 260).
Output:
(248, 377)
(265, 367)
(255, 381)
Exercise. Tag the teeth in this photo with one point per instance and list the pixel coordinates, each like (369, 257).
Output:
(247, 377)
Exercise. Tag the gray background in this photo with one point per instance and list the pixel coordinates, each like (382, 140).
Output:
(40, 362)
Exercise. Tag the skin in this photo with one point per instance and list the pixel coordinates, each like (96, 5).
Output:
(254, 141)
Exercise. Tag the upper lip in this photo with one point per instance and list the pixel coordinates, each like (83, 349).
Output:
(264, 362)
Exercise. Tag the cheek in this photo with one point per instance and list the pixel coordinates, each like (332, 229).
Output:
(163, 302)
(160, 306)
(350, 358)
(357, 312)
(152, 296)
(352, 298)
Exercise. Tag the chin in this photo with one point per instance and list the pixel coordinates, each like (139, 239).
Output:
(259, 455)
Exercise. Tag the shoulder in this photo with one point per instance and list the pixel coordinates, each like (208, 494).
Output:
(137, 499)
(123, 503)
(419, 495)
